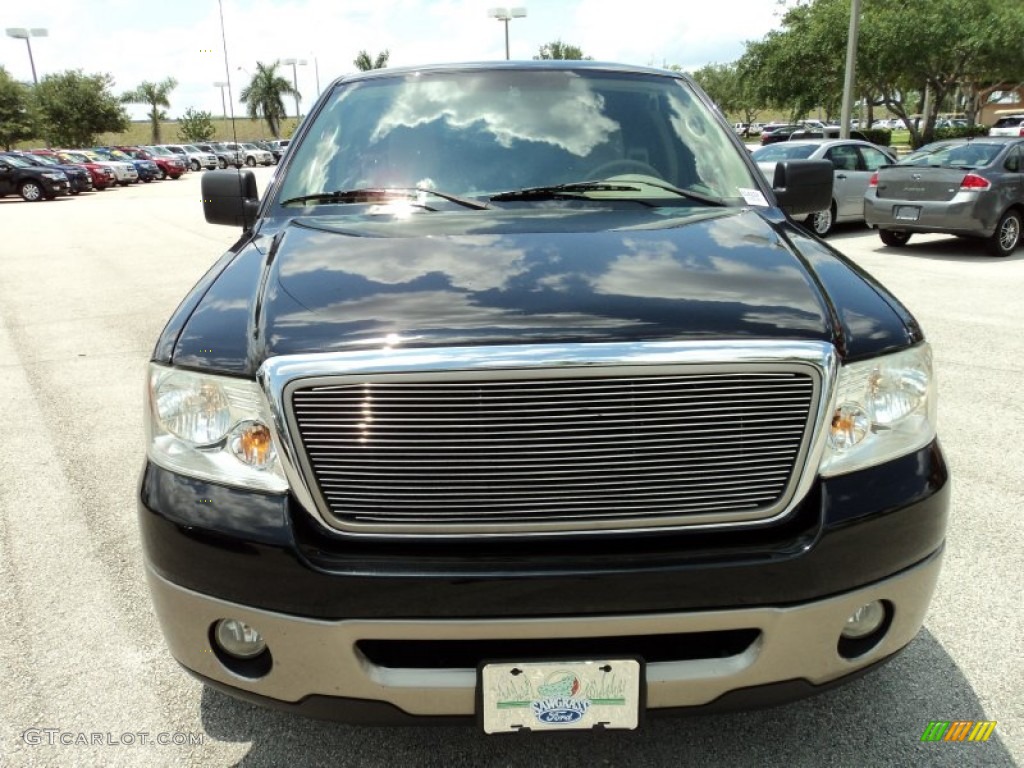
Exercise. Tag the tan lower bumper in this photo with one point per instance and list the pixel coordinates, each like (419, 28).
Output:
(320, 657)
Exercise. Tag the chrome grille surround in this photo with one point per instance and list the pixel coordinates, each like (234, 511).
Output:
(282, 377)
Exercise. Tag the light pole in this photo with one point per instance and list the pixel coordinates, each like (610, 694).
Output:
(223, 104)
(295, 81)
(506, 15)
(316, 71)
(21, 33)
(851, 69)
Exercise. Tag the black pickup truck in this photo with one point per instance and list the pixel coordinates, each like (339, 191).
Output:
(522, 398)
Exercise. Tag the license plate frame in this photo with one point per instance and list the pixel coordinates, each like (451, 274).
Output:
(907, 212)
(561, 694)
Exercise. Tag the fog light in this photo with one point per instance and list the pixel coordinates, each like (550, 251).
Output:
(238, 639)
(864, 621)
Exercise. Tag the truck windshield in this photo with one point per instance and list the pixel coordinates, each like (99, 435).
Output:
(477, 133)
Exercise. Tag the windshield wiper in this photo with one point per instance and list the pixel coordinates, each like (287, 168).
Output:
(579, 189)
(375, 193)
(575, 189)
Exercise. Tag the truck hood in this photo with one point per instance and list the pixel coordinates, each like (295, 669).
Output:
(559, 275)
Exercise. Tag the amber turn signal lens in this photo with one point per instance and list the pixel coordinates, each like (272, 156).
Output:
(252, 444)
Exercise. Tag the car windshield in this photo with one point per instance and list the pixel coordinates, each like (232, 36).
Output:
(119, 155)
(17, 162)
(971, 154)
(192, 148)
(775, 153)
(482, 132)
(250, 146)
(162, 151)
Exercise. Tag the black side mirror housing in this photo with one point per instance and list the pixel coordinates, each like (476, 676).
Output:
(802, 186)
(230, 197)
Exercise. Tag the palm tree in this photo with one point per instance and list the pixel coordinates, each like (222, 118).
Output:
(263, 96)
(154, 94)
(364, 63)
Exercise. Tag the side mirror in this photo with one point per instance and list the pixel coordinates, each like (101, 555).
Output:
(803, 186)
(230, 197)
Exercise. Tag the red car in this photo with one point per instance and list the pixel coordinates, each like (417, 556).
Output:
(171, 166)
(102, 177)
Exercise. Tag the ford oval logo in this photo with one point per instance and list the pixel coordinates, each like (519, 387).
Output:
(560, 716)
(915, 176)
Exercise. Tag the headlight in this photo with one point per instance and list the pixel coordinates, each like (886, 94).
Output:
(211, 427)
(55, 176)
(885, 408)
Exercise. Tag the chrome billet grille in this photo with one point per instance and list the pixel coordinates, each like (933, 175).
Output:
(527, 451)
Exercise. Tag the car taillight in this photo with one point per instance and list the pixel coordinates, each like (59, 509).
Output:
(873, 181)
(973, 181)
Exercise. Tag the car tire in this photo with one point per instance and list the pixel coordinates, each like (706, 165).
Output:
(222, 163)
(31, 191)
(146, 180)
(161, 174)
(250, 161)
(194, 164)
(1007, 236)
(894, 239)
(822, 222)
(124, 183)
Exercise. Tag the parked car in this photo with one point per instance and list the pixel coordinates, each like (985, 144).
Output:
(1008, 125)
(854, 163)
(268, 146)
(225, 156)
(171, 166)
(196, 158)
(966, 187)
(252, 155)
(773, 133)
(823, 132)
(19, 176)
(483, 408)
(79, 179)
(102, 175)
(147, 169)
(125, 172)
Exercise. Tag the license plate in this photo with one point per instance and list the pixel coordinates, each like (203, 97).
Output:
(908, 212)
(560, 695)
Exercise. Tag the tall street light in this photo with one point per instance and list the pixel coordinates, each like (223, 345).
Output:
(21, 33)
(295, 80)
(851, 69)
(506, 15)
(223, 104)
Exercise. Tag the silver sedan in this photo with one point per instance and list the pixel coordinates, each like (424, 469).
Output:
(854, 162)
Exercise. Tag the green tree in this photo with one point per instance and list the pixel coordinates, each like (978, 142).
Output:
(195, 126)
(559, 50)
(729, 90)
(17, 122)
(905, 49)
(156, 96)
(264, 96)
(75, 107)
(364, 63)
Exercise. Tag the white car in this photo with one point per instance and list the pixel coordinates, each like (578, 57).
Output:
(253, 155)
(1008, 125)
(854, 162)
(194, 157)
(124, 173)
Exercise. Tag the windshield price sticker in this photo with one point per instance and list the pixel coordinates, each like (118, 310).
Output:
(753, 197)
(561, 695)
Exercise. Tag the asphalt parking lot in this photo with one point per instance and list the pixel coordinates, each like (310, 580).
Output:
(85, 287)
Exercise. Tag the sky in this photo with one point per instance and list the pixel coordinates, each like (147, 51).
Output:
(138, 40)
